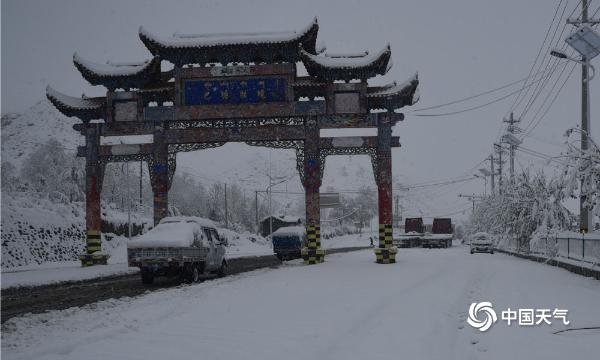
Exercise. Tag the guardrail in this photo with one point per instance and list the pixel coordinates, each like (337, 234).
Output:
(576, 246)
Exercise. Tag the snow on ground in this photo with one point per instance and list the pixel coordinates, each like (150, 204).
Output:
(52, 273)
(61, 271)
(350, 240)
(347, 308)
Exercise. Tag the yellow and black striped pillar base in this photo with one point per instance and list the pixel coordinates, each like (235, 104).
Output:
(93, 245)
(386, 252)
(312, 253)
(385, 236)
(312, 256)
(93, 242)
(93, 259)
(386, 255)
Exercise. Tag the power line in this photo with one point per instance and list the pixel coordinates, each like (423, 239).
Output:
(547, 66)
(479, 106)
(537, 56)
(551, 103)
(476, 95)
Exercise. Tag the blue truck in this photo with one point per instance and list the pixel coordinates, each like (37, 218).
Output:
(288, 241)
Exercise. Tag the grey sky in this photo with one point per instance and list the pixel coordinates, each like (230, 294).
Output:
(459, 47)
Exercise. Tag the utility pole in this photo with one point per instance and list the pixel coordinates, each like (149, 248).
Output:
(256, 210)
(472, 198)
(493, 173)
(512, 129)
(128, 203)
(500, 150)
(397, 211)
(585, 216)
(226, 214)
(141, 173)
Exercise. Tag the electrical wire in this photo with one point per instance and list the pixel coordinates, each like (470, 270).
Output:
(551, 103)
(537, 56)
(479, 106)
(476, 95)
(540, 86)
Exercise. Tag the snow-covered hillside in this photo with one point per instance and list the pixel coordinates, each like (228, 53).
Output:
(23, 133)
(36, 230)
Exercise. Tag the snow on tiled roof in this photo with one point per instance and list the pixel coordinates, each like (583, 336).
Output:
(347, 55)
(350, 62)
(224, 39)
(393, 88)
(347, 67)
(58, 98)
(86, 109)
(111, 68)
(393, 96)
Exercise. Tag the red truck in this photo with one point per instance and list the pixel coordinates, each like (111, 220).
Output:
(441, 235)
(413, 232)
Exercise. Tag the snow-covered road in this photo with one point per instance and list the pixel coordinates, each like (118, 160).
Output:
(347, 308)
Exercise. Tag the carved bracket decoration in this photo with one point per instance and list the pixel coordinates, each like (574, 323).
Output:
(300, 163)
(236, 123)
(175, 148)
(171, 166)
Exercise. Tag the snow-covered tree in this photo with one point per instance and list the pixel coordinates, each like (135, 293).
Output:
(582, 171)
(527, 204)
(51, 170)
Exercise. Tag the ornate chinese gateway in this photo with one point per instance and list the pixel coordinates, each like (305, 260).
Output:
(245, 88)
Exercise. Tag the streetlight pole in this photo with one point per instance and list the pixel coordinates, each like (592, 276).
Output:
(585, 41)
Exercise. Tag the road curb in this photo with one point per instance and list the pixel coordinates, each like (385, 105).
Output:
(580, 270)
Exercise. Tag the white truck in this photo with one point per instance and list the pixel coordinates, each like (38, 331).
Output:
(182, 246)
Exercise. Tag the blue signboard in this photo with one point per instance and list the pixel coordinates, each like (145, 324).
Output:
(254, 90)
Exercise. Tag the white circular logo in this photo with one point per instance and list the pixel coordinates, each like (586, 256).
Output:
(481, 315)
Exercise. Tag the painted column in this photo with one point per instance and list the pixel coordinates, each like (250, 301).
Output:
(159, 170)
(93, 186)
(386, 251)
(312, 252)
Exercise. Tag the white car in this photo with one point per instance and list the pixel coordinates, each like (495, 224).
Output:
(482, 242)
(183, 246)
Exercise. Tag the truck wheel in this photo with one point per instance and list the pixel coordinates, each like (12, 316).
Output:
(195, 274)
(188, 273)
(147, 277)
(223, 269)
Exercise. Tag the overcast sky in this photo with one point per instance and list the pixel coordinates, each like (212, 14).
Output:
(459, 48)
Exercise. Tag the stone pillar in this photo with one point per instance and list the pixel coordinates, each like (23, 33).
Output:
(386, 251)
(312, 252)
(159, 175)
(94, 174)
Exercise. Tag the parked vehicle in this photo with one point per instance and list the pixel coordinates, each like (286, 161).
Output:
(413, 232)
(482, 242)
(441, 234)
(181, 246)
(288, 241)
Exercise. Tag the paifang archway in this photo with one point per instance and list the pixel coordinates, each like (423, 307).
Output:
(244, 88)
